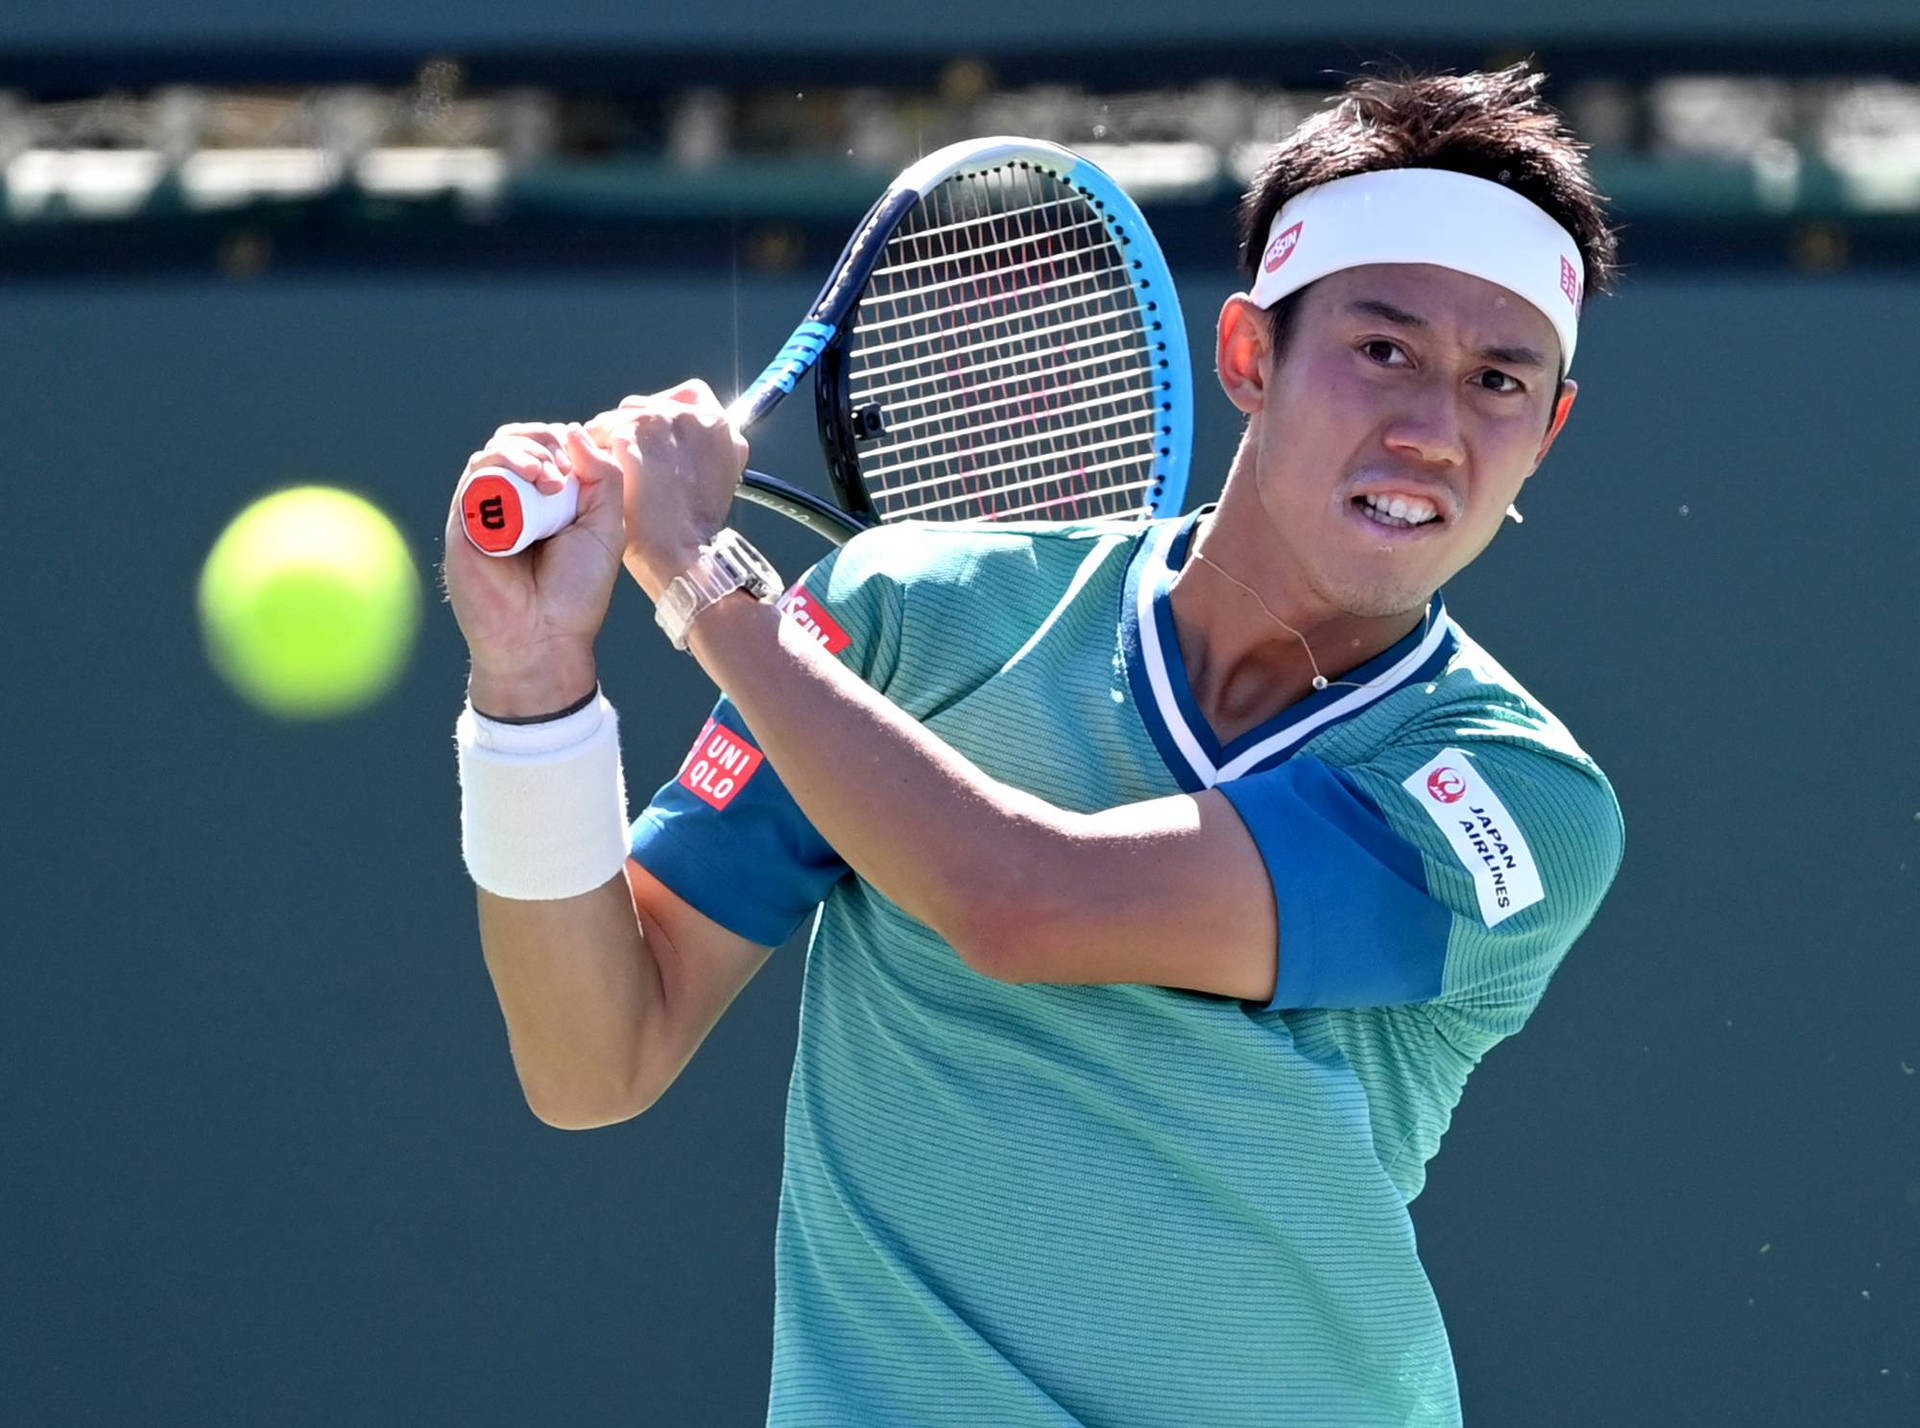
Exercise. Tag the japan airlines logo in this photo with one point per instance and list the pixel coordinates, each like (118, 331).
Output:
(719, 766)
(802, 605)
(1570, 283)
(1481, 831)
(1281, 248)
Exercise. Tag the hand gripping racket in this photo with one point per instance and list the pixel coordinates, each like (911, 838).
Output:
(999, 340)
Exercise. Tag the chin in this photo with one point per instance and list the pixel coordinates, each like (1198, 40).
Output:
(1378, 599)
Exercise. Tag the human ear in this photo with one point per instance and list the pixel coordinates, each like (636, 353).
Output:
(1243, 342)
(1562, 409)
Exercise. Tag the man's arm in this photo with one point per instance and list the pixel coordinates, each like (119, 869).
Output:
(1168, 892)
(606, 995)
(1171, 892)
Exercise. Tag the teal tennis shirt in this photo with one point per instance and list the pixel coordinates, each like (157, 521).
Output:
(1126, 1205)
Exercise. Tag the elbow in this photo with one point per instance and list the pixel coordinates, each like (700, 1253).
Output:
(1016, 919)
(571, 1117)
(583, 1104)
(1005, 940)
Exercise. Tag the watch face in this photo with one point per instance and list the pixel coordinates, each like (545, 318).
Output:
(756, 574)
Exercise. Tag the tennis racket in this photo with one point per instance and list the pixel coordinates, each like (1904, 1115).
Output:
(1000, 339)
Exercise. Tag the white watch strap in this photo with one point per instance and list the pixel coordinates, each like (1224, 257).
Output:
(728, 564)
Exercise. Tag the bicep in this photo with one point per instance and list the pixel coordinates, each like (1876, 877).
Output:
(1288, 888)
(724, 868)
(1168, 892)
(701, 967)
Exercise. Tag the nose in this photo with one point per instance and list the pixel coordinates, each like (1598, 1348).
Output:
(1427, 427)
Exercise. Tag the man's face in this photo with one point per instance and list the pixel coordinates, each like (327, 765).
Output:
(1409, 405)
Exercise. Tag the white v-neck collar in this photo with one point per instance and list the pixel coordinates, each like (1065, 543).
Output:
(1164, 694)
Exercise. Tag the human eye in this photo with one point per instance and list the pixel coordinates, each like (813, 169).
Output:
(1382, 351)
(1501, 383)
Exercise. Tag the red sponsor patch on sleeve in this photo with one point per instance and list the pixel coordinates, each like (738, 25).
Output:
(719, 766)
(804, 606)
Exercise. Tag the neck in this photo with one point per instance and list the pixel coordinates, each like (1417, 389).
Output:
(1253, 639)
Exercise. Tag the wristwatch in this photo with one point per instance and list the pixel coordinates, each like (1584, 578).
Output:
(730, 563)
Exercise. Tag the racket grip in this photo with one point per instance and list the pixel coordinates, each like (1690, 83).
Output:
(503, 514)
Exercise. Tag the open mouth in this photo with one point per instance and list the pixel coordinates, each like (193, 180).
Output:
(1397, 512)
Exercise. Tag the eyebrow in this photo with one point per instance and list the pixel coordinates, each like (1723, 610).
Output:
(1387, 312)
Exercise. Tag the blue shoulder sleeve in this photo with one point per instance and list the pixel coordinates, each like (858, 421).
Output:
(725, 834)
(1357, 927)
(729, 839)
(1437, 873)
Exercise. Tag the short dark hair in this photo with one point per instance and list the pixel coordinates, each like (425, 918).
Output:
(1490, 125)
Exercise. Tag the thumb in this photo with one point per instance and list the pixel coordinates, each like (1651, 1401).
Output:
(693, 393)
(602, 488)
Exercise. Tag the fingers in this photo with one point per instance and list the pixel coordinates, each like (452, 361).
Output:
(533, 452)
(693, 393)
(692, 404)
(591, 461)
(602, 488)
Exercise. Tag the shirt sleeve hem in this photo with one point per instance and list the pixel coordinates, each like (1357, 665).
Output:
(690, 876)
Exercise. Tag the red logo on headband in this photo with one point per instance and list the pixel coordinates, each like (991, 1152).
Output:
(1570, 283)
(1281, 248)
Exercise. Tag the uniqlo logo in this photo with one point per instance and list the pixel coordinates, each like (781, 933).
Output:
(1282, 246)
(719, 766)
(1570, 283)
(802, 605)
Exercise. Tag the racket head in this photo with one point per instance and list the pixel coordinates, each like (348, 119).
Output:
(1007, 344)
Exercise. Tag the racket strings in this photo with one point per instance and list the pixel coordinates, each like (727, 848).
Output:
(1024, 332)
(1016, 308)
(1008, 471)
(1002, 340)
(914, 392)
(976, 238)
(981, 410)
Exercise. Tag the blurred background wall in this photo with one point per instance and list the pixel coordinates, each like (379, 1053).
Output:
(265, 1158)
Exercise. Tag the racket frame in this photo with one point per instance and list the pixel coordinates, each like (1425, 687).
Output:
(818, 344)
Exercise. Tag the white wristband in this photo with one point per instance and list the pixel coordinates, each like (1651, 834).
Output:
(543, 807)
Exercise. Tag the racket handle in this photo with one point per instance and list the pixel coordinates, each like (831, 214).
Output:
(503, 514)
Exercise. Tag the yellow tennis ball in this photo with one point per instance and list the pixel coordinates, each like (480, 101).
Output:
(309, 602)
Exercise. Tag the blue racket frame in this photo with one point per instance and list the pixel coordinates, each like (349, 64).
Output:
(818, 334)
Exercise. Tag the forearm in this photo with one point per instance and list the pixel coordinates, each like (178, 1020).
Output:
(576, 982)
(909, 813)
(574, 976)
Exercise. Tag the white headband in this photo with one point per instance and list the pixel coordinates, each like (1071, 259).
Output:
(1451, 220)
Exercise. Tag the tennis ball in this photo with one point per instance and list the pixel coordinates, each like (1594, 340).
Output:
(309, 602)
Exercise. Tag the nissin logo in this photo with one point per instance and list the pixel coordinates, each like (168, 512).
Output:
(801, 605)
(1281, 248)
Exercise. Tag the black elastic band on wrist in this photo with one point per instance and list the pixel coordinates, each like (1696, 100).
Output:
(574, 708)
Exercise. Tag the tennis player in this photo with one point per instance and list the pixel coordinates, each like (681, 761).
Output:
(1171, 878)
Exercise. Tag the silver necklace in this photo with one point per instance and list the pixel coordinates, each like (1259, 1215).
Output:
(1320, 681)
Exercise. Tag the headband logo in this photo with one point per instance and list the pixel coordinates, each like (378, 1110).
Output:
(1570, 284)
(1281, 248)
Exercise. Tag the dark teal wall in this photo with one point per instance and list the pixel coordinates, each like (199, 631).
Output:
(265, 1157)
(841, 25)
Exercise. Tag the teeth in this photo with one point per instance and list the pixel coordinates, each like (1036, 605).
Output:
(1403, 510)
